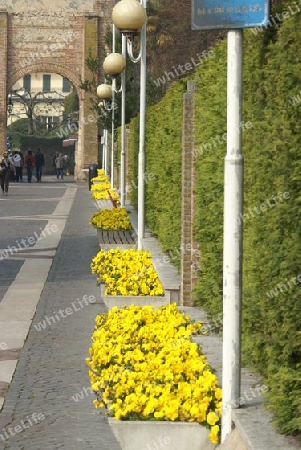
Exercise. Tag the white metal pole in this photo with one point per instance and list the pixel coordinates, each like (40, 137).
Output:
(112, 148)
(103, 150)
(106, 152)
(141, 156)
(113, 115)
(233, 207)
(122, 153)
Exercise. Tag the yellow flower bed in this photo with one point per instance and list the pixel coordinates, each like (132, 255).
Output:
(103, 191)
(111, 219)
(101, 187)
(144, 366)
(104, 195)
(101, 176)
(127, 272)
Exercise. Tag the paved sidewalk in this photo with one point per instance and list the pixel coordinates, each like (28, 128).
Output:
(49, 399)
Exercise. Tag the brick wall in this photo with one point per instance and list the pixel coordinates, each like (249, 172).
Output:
(55, 41)
(189, 247)
(3, 79)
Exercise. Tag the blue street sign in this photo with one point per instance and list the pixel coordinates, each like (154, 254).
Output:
(226, 14)
(7, 143)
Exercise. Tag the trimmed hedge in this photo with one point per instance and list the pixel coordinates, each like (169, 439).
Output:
(163, 150)
(272, 235)
(49, 146)
(272, 257)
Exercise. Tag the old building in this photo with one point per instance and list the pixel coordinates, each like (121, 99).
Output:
(53, 39)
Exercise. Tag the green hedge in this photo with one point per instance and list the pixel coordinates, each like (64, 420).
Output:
(26, 142)
(272, 239)
(272, 323)
(163, 150)
(210, 146)
(271, 147)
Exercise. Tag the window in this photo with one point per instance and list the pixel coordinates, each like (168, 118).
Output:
(66, 85)
(27, 83)
(55, 120)
(46, 83)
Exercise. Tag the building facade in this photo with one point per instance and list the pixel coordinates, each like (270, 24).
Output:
(45, 93)
(37, 39)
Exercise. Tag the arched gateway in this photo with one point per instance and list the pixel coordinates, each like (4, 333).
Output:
(54, 37)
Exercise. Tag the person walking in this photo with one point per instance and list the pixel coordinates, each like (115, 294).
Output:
(53, 161)
(67, 165)
(6, 169)
(22, 165)
(17, 161)
(29, 164)
(40, 162)
(60, 165)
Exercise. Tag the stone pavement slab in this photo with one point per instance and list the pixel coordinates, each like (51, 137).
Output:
(50, 400)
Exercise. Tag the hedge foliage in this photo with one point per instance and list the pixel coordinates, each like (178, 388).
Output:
(26, 142)
(163, 150)
(272, 236)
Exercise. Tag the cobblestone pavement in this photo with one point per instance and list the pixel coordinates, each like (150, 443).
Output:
(49, 402)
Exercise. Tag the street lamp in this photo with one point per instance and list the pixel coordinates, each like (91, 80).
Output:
(129, 16)
(114, 64)
(104, 92)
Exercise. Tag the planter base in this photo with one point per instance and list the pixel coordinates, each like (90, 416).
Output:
(126, 300)
(104, 204)
(148, 435)
(122, 239)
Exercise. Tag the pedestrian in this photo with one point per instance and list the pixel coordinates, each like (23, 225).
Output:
(22, 165)
(67, 165)
(29, 164)
(6, 169)
(53, 161)
(17, 161)
(40, 162)
(60, 165)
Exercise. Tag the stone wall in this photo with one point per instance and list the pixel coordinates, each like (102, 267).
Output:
(52, 39)
(190, 256)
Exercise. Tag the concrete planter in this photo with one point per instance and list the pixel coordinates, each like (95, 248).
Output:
(104, 204)
(150, 435)
(126, 300)
(123, 239)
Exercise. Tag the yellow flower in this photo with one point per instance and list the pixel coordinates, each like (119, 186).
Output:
(141, 365)
(214, 434)
(212, 418)
(127, 272)
(111, 219)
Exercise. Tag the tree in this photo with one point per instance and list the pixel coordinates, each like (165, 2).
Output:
(29, 104)
(71, 103)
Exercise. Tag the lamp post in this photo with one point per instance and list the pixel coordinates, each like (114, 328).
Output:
(129, 16)
(114, 64)
(233, 233)
(104, 92)
(122, 153)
